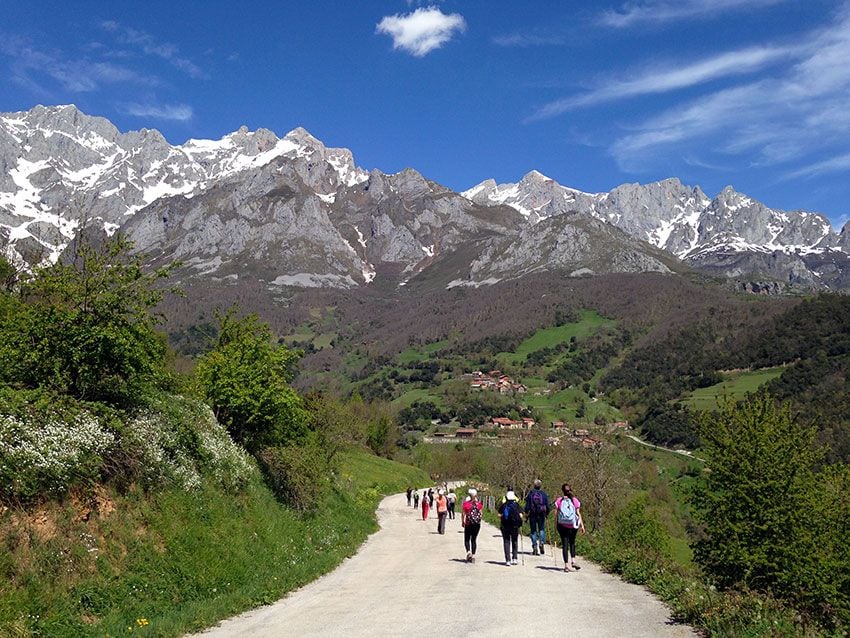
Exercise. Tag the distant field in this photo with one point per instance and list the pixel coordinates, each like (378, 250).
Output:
(419, 394)
(735, 386)
(589, 323)
(420, 354)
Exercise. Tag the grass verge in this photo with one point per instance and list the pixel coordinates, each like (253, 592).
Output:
(176, 561)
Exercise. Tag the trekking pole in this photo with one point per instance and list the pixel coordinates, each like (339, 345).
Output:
(551, 543)
(521, 548)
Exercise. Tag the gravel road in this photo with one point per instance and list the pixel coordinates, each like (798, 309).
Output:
(407, 580)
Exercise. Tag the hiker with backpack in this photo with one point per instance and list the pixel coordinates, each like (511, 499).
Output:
(442, 511)
(510, 522)
(536, 509)
(470, 520)
(415, 499)
(426, 505)
(451, 497)
(568, 514)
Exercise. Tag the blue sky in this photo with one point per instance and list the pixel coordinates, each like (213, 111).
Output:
(753, 93)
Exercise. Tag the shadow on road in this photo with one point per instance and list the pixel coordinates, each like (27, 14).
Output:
(549, 568)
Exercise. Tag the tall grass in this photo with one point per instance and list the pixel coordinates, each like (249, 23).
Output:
(167, 563)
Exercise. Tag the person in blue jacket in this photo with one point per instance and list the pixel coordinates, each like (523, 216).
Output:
(536, 510)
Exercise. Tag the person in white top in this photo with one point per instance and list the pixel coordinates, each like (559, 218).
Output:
(451, 497)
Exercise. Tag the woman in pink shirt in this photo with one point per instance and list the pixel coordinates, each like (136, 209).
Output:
(568, 516)
(470, 520)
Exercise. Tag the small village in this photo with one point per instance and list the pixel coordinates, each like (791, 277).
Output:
(587, 436)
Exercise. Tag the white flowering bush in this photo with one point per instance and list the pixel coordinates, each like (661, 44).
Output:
(50, 444)
(46, 453)
(178, 441)
(228, 463)
(154, 445)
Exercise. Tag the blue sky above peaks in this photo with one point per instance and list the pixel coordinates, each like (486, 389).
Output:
(752, 93)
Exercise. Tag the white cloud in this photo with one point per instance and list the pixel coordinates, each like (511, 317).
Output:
(798, 112)
(662, 11)
(663, 80)
(150, 46)
(837, 164)
(527, 40)
(179, 112)
(422, 31)
(31, 65)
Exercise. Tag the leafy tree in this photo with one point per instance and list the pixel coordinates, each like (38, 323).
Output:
(85, 326)
(335, 424)
(8, 274)
(245, 379)
(754, 499)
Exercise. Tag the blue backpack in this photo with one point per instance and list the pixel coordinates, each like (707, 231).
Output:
(567, 513)
(511, 515)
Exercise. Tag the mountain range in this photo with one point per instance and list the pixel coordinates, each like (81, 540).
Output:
(291, 212)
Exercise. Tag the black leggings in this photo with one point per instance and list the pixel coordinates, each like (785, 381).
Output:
(568, 541)
(509, 540)
(470, 537)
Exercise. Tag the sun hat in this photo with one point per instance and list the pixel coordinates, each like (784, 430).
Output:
(510, 495)
(473, 491)
(440, 492)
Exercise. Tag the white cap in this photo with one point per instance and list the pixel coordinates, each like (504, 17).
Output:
(510, 495)
(473, 491)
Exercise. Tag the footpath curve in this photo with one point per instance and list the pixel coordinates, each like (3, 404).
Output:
(407, 580)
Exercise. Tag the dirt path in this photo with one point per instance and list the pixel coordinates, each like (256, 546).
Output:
(407, 580)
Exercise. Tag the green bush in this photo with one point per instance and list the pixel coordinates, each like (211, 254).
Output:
(245, 379)
(638, 527)
(296, 474)
(774, 520)
(85, 327)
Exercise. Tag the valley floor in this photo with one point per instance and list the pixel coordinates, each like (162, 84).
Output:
(407, 580)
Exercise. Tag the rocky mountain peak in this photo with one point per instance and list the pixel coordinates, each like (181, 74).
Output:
(314, 218)
(535, 177)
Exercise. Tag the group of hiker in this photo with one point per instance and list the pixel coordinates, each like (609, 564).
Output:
(566, 511)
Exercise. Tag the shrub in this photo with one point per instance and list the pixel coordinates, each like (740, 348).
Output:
(638, 527)
(296, 475)
(245, 379)
(85, 328)
(48, 447)
(177, 441)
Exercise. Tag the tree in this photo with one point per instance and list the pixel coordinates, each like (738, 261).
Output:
(245, 379)
(85, 326)
(755, 494)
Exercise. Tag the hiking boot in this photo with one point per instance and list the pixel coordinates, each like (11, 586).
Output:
(534, 551)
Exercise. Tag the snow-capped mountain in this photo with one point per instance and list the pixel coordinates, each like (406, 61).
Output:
(60, 168)
(703, 232)
(292, 212)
